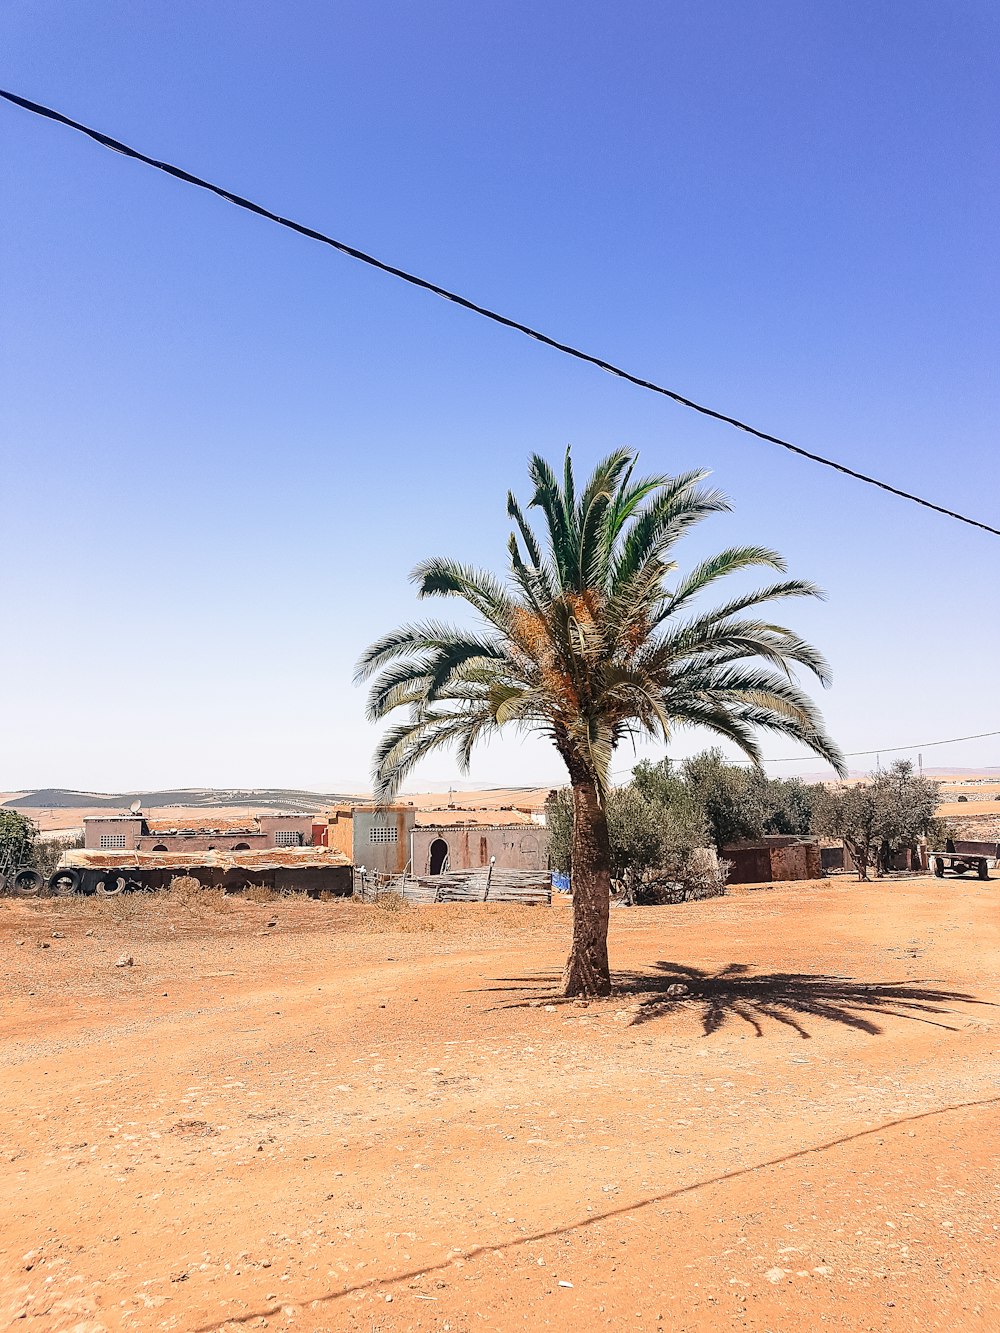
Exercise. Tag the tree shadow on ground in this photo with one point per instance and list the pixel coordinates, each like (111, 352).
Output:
(735, 992)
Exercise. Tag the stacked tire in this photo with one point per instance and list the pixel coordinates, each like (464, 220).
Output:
(64, 883)
(27, 883)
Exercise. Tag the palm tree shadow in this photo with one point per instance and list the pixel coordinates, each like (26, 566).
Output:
(785, 997)
(736, 992)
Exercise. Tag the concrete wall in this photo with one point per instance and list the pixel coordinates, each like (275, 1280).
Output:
(271, 824)
(773, 859)
(138, 838)
(381, 838)
(201, 842)
(515, 846)
(748, 864)
(792, 862)
(311, 880)
(131, 828)
(339, 832)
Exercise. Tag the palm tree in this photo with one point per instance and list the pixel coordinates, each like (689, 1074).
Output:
(593, 638)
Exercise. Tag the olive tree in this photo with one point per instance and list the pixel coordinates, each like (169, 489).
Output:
(878, 818)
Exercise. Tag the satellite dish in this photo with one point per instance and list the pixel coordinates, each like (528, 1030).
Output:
(135, 807)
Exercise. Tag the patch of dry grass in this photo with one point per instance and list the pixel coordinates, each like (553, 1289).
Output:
(259, 893)
(188, 909)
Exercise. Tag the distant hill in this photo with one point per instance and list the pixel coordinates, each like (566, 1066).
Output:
(191, 798)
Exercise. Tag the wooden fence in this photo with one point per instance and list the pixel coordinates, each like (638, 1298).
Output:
(487, 884)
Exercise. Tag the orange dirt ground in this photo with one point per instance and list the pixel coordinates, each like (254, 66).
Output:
(365, 1120)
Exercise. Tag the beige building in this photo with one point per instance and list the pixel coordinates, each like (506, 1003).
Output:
(400, 837)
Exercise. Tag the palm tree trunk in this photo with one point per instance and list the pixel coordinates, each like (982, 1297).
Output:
(587, 970)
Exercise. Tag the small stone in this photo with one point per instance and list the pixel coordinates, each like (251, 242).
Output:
(272, 923)
(677, 989)
(44, 944)
(88, 933)
(19, 943)
(124, 960)
(58, 935)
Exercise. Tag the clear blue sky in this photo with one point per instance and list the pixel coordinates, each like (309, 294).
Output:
(224, 447)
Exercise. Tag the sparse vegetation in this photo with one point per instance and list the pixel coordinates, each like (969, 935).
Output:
(48, 852)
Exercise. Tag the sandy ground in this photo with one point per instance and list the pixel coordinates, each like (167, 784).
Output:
(355, 1119)
(970, 809)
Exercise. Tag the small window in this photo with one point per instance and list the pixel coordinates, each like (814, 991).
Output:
(159, 847)
(382, 833)
(112, 842)
(241, 847)
(288, 838)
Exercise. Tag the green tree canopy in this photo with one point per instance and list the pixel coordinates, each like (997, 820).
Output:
(18, 838)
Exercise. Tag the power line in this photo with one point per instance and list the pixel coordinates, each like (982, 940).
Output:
(890, 749)
(116, 146)
(855, 754)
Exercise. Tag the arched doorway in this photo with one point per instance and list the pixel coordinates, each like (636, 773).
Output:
(241, 847)
(160, 847)
(439, 856)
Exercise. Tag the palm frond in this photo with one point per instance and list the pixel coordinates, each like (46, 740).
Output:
(549, 499)
(584, 641)
(420, 637)
(659, 524)
(438, 577)
(731, 560)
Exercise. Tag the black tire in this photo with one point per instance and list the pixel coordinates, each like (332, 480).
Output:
(984, 872)
(111, 883)
(64, 883)
(28, 883)
(939, 867)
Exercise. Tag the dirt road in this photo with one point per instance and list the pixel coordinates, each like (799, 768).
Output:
(360, 1120)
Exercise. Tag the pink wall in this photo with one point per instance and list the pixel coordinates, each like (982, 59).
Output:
(138, 838)
(517, 847)
(131, 828)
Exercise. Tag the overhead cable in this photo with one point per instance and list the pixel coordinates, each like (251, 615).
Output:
(889, 749)
(855, 754)
(116, 146)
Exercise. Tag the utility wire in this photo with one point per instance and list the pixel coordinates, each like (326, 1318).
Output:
(889, 749)
(854, 754)
(37, 109)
